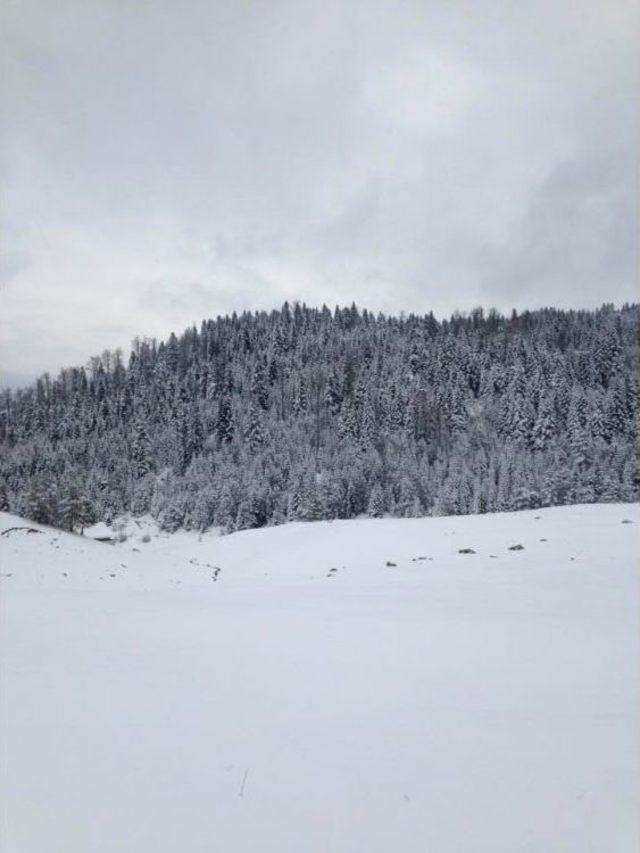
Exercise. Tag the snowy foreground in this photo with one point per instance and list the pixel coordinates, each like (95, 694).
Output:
(285, 690)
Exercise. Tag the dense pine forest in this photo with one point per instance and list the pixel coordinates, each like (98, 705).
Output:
(312, 414)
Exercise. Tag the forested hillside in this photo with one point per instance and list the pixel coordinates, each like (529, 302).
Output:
(308, 414)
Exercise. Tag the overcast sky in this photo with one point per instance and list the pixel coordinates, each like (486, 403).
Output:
(164, 161)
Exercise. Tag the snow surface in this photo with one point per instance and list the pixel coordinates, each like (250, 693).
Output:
(99, 531)
(235, 694)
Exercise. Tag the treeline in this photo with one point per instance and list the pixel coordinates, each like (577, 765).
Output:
(310, 414)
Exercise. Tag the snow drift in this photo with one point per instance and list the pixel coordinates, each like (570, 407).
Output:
(379, 685)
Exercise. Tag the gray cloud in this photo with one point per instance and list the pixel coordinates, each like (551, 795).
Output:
(167, 161)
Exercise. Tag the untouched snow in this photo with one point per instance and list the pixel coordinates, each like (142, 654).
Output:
(99, 531)
(235, 694)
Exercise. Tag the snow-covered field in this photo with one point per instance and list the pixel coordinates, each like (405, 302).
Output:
(286, 689)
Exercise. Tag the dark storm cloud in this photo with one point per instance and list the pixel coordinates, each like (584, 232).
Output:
(167, 161)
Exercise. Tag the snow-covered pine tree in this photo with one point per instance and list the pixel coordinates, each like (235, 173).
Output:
(474, 412)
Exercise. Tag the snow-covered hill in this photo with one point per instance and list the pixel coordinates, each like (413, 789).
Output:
(337, 686)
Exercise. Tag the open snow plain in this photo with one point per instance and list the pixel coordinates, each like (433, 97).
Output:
(286, 689)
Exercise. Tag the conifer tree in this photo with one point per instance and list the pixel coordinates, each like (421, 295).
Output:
(377, 506)
(301, 413)
(224, 423)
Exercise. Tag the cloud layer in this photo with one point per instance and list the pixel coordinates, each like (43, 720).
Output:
(164, 162)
